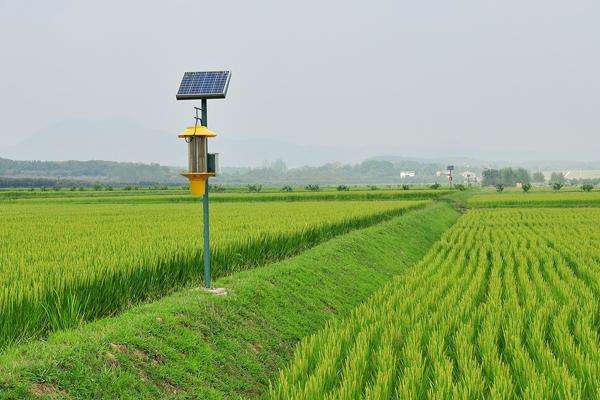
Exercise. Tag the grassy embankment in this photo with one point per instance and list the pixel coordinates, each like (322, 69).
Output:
(195, 345)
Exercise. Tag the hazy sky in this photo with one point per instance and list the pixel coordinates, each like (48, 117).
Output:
(475, 78)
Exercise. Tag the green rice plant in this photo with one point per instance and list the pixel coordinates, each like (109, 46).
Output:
(63, 264)
(505, 306)
(180, 196)
(537, 199)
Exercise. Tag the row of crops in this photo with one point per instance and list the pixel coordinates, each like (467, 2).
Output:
(538, 199)
(506, 305)
(178, 196)
(63, 264)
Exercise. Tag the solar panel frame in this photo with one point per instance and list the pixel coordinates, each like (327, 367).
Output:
(204, 85)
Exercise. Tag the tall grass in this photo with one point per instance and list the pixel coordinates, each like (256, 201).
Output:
(61, 265)
(505, 306)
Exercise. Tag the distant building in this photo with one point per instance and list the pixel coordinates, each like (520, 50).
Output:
(469, 176)
(407, 174)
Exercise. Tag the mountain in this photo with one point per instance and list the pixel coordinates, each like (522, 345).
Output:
(116, 139)
(121, 139)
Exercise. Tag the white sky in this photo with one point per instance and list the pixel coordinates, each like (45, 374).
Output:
(475, 78)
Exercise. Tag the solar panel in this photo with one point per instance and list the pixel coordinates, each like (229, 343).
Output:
(204, 85)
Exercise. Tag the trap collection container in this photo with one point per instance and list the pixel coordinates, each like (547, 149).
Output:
(201, 164)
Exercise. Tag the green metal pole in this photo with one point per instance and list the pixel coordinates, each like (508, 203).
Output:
(205, 209)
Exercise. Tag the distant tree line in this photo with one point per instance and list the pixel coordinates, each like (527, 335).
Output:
(89, 171)
(505, 176)
(54, 184)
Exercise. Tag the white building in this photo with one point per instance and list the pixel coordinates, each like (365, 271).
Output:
(407, 174)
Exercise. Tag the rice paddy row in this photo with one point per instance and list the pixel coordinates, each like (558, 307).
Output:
(179, 196)
(505, 306)
(537, 199)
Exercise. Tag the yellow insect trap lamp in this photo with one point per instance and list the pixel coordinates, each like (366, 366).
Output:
(201, 164)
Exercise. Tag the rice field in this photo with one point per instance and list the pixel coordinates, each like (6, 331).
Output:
(505, 306)
(182, 196)
(63, 264)
(537, 199)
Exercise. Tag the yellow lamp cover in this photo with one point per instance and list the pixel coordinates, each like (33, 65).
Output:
(198, 130)
(198, 181)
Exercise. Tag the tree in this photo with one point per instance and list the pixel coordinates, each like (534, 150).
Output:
(586, 187)
(279, 166)
(287, 188)
(312, 188)
(405, 187)
(557, 186)
(342, 188)
(507, 177)
(538, 177)
(435, 186)
(557, 177)
(521, 175)
(460, 186)
(254, 188)
(499, 187)
(491, 177)
(526, 187)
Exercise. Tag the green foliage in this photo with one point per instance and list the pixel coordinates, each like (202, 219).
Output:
(526, 187)
(503, 306)
(216, 188)
(109, 171)
(287, 188)
(587, 187)
(499, 187)
(373, 187)
(342, 188)
(254, 188)
(61, 264)
(312, 188)
(557, 177)
(182, 195)
(405, 187)
(460, 186)
(557, 186)
(505, 176)
(538, 177)
(537, 199)
(192, 345)
(435, 186)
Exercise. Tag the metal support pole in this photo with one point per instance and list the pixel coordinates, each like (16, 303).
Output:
(205, 210)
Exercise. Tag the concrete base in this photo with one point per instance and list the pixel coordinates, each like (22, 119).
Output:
(216, 291)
